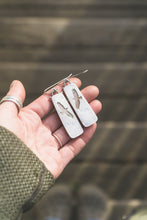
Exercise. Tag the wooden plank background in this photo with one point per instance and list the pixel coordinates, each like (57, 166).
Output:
(82, 8)
(42, 41)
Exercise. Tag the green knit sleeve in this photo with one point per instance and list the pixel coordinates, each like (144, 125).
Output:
(23, 177)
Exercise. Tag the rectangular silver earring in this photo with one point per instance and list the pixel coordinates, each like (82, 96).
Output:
(80, 105)
(66, 114)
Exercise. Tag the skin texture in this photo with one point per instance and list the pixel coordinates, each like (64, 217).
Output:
(35, 126)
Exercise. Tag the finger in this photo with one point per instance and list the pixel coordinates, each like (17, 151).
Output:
(43, 105)
(96, 106)
(90, 92)
(61, 137)
(73, 147)
(17, 90)
(53, 122)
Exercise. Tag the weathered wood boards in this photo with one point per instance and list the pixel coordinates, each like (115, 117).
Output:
(72, 40)
(82, 8)
(117, 141)
(76, 2)
(72, 32)
(70, 54)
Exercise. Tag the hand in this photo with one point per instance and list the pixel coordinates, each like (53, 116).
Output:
(34, 126)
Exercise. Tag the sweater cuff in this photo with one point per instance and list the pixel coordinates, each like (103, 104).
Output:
(24, 178)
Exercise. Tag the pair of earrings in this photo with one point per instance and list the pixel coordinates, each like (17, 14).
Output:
(71, 108)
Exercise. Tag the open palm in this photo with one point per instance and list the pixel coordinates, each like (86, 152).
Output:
(36, 127)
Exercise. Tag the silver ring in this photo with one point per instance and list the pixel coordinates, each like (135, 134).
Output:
(12, 99)
(58, 139)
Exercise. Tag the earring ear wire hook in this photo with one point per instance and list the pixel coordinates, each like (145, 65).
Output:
(50, 87)
(77, 74)
(54, 90)
(64, 80)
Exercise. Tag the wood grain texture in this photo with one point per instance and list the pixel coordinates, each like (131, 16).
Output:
(72, 32)
(71, 12)
(118, 142)
(73, 55)
(76, 2)
(86, 8)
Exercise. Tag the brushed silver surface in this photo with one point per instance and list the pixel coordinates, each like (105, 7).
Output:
(67, 116)
(80, 105)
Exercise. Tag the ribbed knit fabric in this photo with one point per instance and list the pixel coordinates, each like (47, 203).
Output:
(23, 177)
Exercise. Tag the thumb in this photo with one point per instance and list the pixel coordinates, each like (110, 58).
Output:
(17, 90)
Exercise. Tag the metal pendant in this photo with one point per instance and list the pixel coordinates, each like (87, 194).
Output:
(67, 116)
(80, 105)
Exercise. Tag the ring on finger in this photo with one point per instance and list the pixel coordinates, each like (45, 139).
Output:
(13, 99)
(58, 140)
